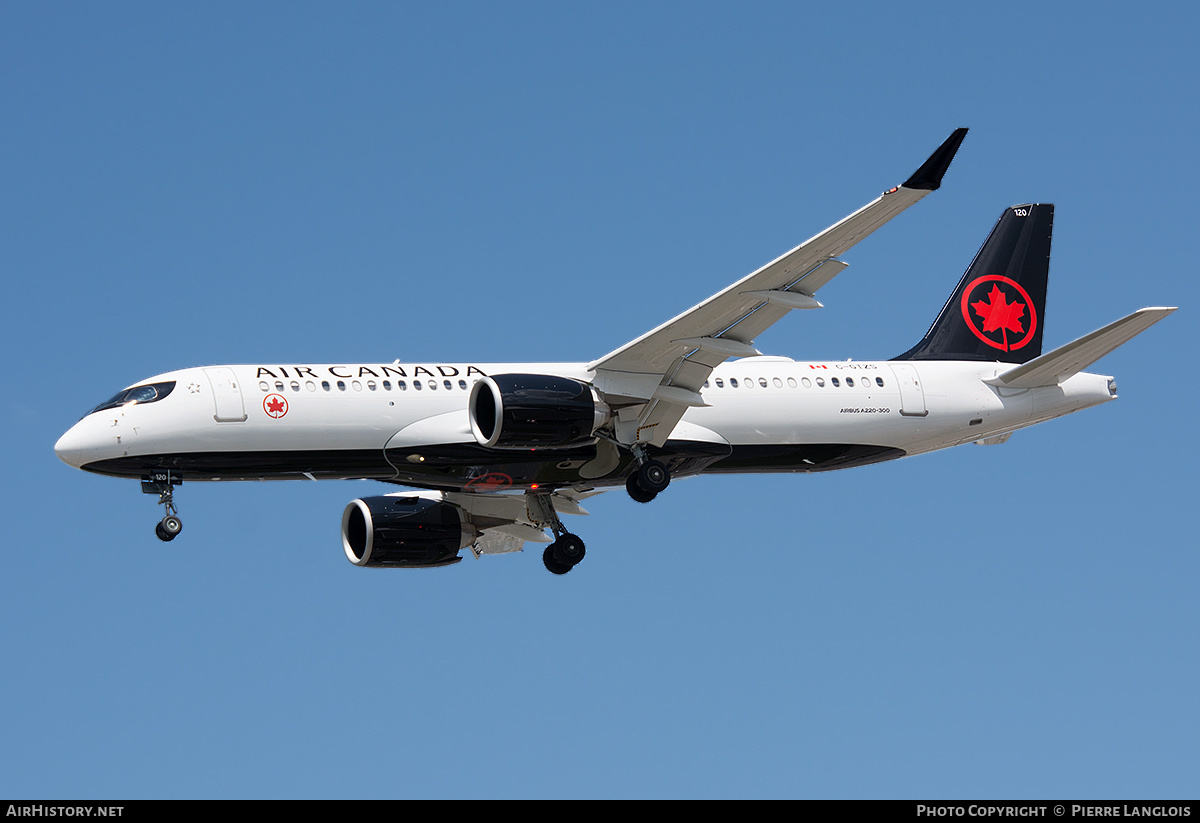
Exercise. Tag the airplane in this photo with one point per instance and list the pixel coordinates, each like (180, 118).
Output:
(493, 454)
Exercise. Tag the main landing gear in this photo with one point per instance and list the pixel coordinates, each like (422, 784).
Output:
(650, 478)
(567, 550)
(564, 553)
(163, 484)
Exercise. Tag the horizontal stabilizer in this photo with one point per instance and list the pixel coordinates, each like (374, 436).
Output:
(1054, 367)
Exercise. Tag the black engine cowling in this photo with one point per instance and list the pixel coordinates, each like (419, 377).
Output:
(404, 532)
(529, 411)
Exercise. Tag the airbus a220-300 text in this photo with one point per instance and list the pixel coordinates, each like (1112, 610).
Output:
(493, 454)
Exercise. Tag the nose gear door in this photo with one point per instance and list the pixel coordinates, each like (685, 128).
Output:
(227, 396)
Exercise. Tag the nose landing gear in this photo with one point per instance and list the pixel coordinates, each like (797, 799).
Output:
(163, 484)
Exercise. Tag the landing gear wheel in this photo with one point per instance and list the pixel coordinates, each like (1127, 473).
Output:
(653, 477)
(568, 549)
(168, 528)
(552, 564)
(635, 491)
(650, 478)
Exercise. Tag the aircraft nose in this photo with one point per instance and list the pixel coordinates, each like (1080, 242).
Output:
(69, 447)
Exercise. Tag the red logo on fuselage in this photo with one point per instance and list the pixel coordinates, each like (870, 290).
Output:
(275, 405)
(999, 312)
(492, 481)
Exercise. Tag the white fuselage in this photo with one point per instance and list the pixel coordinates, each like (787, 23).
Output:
(397, 421)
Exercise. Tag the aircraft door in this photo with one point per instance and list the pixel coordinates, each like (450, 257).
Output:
(227, 396)
(912, 396)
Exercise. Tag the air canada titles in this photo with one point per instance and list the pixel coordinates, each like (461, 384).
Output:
(390, 370)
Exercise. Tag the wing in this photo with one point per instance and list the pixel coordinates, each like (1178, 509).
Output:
(654, 379)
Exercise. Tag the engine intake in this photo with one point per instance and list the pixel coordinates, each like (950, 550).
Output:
(404, 532)
(528, 411)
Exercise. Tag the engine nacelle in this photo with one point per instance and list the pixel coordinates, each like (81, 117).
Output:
(529, 411)
(404, 532)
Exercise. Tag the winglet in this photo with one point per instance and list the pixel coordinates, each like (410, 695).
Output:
(929, 176)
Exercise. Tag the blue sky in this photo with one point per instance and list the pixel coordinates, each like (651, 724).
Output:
(301, 182)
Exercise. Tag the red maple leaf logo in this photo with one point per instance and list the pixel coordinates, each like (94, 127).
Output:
(995, 313)
(998, 313)
(275, 406)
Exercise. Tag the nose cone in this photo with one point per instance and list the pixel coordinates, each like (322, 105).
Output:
(69, 447)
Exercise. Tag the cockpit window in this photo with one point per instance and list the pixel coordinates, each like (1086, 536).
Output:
(138, 394)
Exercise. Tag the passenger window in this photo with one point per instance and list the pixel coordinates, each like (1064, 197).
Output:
(401, 385)
(762, 381)
(341, 385)
(325, 385)
(792, 382)
(850, 382)
(295, 385)
(879, 382)
(720, 383)
(387, 385)
(371, 385)
(264, 385)
(733, 382)
(278, 385)
(417, 385)
(462, 384)
(821, 382)
(447, 384)
(778, 383)
(807, 383)
(310, 385)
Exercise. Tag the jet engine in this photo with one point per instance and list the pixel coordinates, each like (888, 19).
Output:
(530, 411)
(404, 532)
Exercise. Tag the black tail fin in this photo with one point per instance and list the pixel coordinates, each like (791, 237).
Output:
(998, 309)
